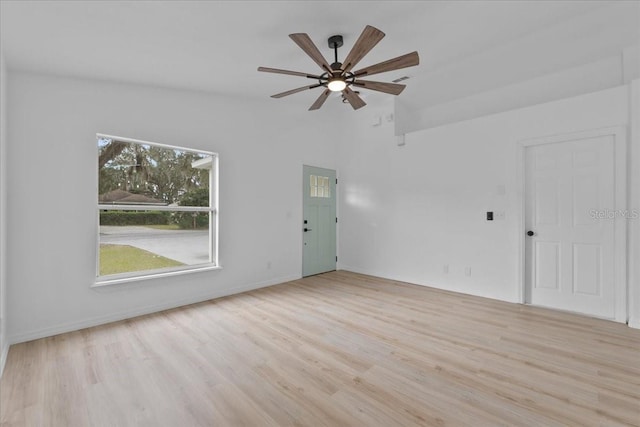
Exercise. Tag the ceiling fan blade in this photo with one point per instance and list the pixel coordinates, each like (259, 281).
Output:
(304, 41)
(404, 61)
(353, 98)
(292, 91)
(368, 39)
(292, 73)
(323, 97)
(392, 88)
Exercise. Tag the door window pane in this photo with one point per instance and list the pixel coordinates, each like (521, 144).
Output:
(319, 186)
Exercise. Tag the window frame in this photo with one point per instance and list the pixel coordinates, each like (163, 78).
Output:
(212, 210)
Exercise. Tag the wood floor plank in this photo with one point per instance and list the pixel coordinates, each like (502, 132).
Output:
(337, 349)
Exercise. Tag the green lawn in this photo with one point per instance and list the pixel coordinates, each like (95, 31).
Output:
(124, 258)
(164, 226)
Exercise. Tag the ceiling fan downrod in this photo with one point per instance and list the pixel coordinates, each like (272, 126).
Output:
(338, 80)
(334, 43)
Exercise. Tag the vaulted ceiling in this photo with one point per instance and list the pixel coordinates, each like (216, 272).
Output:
(217, 46)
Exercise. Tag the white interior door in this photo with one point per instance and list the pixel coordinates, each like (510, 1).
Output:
(319, 220)
(570, 219)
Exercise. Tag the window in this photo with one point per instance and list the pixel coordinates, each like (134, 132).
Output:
(157, 208)
(319, 186)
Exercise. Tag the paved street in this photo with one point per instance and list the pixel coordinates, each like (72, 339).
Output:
(186, 246)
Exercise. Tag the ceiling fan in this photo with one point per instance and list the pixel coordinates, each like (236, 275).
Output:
(339, 77)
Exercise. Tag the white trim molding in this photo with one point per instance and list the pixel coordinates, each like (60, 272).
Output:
(3, 357)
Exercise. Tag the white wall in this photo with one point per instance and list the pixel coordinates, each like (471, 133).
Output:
(404, 211)
(592, 77)
(4, 344)
(262, 145)
(408, 211)
(584, 53)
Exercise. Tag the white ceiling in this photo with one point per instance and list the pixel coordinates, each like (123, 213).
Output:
(217, 46)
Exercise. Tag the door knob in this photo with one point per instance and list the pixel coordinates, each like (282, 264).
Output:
(307, 229)
(530, 233)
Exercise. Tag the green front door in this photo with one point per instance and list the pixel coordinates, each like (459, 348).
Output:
(319, 220)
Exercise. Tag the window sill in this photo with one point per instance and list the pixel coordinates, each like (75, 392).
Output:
(100, 282)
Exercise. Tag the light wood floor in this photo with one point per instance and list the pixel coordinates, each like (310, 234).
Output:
(338, 349)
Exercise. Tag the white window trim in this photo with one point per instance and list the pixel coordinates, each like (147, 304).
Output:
(119, 279)
(212, 209)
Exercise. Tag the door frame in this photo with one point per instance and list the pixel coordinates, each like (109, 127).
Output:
(302, 216)
(619, 134)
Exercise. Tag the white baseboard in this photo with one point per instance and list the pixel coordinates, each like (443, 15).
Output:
(414, 281)
(114, 317)
(128, 314)
(360, 271)
(3, 357)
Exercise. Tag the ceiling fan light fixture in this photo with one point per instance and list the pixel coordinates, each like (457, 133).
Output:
(336, 85)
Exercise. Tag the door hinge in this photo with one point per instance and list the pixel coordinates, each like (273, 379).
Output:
(336, 258)
(336, 220)
(336, 180)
